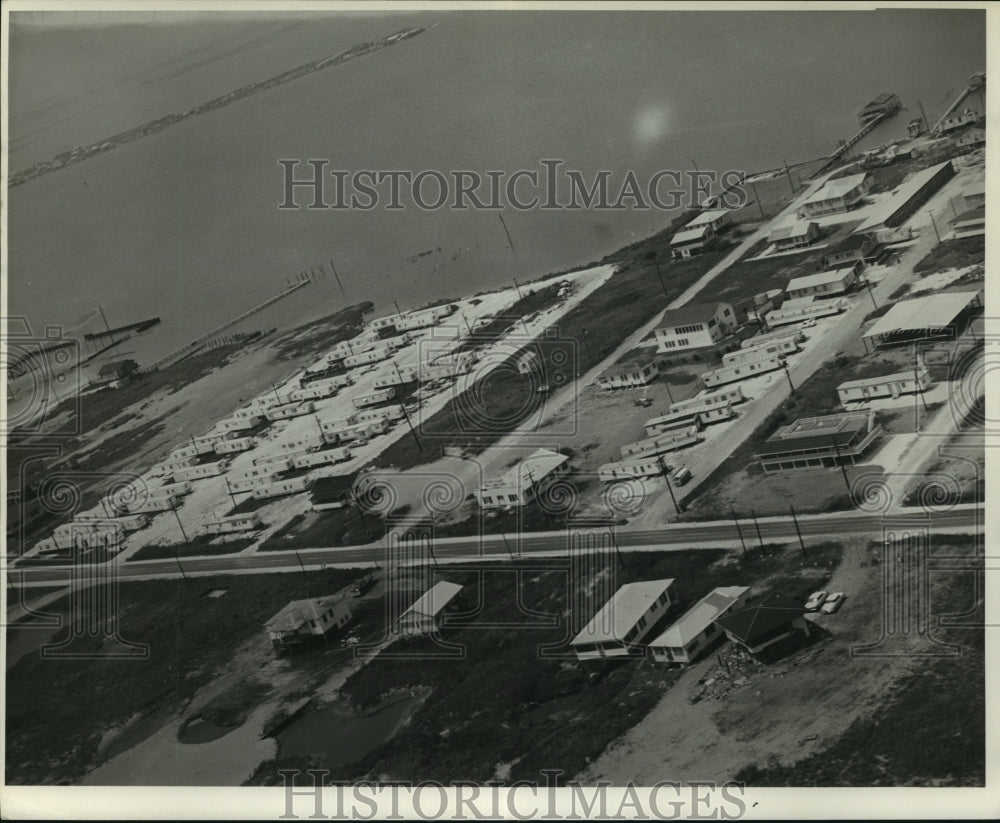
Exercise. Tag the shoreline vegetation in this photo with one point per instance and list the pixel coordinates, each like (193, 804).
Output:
(79, 153)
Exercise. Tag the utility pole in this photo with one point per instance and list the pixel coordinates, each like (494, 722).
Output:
(788, 174)
(409, 423)
(739, 531)
(871, 294)
(518, 287)
(618, 551)
(795, 520)
(187, 542)
(791, 385)
(301, 565)
(503, 534)
(934, 224)
(843, 470)
(276, 395)
(398, 312)
(670, 487)
(916, 383)
(756, 197)
(923, 115)
(756, 525)
(670, 397)
(229, 489)
(659, 274)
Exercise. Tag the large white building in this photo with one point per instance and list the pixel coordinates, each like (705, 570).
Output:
(524, 482)
(621, 625)
(628, 375)
(837, 196)
(695, 326)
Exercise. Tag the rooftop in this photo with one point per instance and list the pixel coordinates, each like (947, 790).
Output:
(882, 378)
(299, 612)
(686, 315)
(689, 235)
(769, 613)
(700, 616)
(810, 432)
(838, 187)
(903, 195)
(617, 617)
(821, 278)
(797, 229)
(707, 217)
(935, 311)
(434, 599)
(536, 466)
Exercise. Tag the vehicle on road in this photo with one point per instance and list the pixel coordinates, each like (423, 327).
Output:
(680, 476)
(833, 602)
(808, 324)
(815, 601)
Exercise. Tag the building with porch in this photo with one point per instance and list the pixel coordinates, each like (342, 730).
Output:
(621, 625)
(302, 621)
(424, 616)
(819, 442)
(696, 630)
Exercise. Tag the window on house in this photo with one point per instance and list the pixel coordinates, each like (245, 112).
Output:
(512, 498)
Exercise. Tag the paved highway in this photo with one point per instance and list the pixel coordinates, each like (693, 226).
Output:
(674, 537)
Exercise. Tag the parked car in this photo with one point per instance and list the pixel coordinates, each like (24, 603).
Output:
(806, 324)
(815, 601)
(833, 602)
(680, 476)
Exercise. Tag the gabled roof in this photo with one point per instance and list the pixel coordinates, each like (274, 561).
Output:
(800, 228)
(691, 313)
(707, 217)
(299, 612)
(769, 613)
(434, 599)
(902, 196)
(808, 281)
(837, 188)
(692, 235)
(617, 617)
(700, 616)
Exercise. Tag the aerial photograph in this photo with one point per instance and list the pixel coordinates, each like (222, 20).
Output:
(494, 410)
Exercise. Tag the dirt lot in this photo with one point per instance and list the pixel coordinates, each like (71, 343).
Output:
(785, 711)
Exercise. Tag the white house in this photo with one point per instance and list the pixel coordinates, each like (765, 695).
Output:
(640, 467)
(743, 371)
(281, 487)
(525, 481)
(374, 398)
(690, 241)
(254, 478)
(628, 375)
(824, 283)
(245, 522)
(621, 625)
(703, 415)
(286, 411)
(837, 196)
(237, 444)
(804, 308)
(302, 620)
(781, 346)
(695, 326)
(693, 632)
(422, 617)
(715, 219)
(886, 385)
(662, 443)
(322, 457)
(730, 394)
(201, 471)
(796, 235)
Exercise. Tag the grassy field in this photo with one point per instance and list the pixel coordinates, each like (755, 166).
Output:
(332, 527)
(953, 254)
(200, 545)
(58, 709)
(505, 704)
(930, 729)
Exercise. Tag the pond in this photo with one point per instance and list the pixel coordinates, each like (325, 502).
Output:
(341, 737)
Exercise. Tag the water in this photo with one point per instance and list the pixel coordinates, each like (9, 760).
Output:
(340, 736)
(184, 223)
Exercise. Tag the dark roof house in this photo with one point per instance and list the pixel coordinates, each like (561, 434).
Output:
(771, 619)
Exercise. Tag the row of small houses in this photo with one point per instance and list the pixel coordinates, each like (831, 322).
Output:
(622, 628)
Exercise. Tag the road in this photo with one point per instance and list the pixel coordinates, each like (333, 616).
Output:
(675, 537)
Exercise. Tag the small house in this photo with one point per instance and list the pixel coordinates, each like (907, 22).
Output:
(621, 625)
(301, 621)
(692, 634)
(424, 615)
(771, 619)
